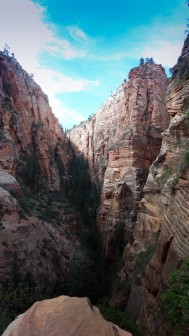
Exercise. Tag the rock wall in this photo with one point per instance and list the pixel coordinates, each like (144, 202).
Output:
(28, 126)
(162, 230)
(143, 215)
(121, 142)
(39, 227)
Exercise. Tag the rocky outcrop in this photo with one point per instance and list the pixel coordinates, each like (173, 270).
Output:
(8, 182)
(63, 316)
(162, 230)
(121, 142)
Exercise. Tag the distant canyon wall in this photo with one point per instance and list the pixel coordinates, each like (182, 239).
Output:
(121, 142)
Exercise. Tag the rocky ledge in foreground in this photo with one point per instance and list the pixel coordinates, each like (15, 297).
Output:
(63, 316)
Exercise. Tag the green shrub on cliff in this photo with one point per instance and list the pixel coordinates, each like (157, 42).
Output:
(17, 294)
(175, 300)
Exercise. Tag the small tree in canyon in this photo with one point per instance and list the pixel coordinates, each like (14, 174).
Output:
(176, 300)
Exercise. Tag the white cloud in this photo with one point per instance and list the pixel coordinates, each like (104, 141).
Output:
(163, 52)
(161, 40)
(22, 28)
(66, 116)
(63, 48)
(53, 82)
(164, 41)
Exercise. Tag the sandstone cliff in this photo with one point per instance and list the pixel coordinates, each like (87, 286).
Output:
(34, 154)
(47, 202)
(144, 206)
(121, 142)
(28, 126)
(162, 230)
(143, 215)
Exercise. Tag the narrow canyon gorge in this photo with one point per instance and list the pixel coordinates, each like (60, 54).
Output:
(101, 210)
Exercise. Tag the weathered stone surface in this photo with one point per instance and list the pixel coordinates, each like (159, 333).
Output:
(121, 142)
(8, 182)
(29, 132)
(162, 230)
(44, 248)
(27, 126)
(63, 316)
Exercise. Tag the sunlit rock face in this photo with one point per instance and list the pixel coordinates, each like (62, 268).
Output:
(162, 230)
(63, 316)
(121, 142)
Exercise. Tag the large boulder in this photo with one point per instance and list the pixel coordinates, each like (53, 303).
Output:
(64, 316)
(8, 182)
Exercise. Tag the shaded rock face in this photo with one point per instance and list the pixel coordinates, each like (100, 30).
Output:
(43, 240)
(33, 147)
(121, 142)
(162, 230)
(63, 316)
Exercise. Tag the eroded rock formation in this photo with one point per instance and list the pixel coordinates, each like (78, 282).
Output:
(143, 216)
(63, 316)
(33, 148)
(161, 234)
(28, 126)
(121, 142)
(127, 135)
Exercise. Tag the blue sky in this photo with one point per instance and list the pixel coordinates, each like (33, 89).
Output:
(80, 51)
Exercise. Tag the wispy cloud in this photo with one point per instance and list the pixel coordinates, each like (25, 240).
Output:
(23, 29)
(85, 54)
(54, 82)
(164, 41)
(64, 49)
(66, 116)
(164, 44)
(163, 52)
(77, 33)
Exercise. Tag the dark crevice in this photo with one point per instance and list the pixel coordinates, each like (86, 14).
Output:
(166, 248)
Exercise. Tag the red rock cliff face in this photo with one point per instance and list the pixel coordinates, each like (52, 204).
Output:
(123, 139)
(162, 230)
(28, 126)
(34, 226)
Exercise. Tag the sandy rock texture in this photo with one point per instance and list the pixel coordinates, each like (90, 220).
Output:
(27, 125)
(33, 147)
(161, 234)
(121, 142)
(63, 316)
